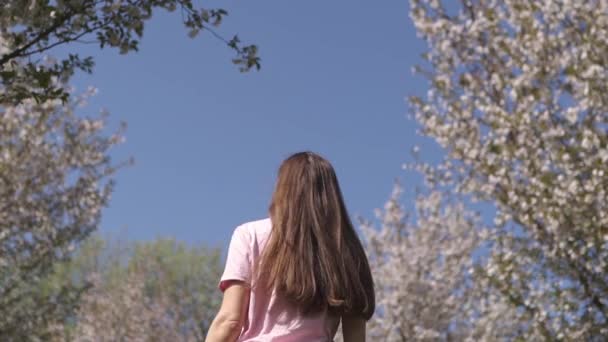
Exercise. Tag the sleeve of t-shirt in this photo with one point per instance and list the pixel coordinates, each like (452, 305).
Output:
(238, 261)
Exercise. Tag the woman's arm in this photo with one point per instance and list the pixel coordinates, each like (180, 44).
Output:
(227, 325)
(353, 329)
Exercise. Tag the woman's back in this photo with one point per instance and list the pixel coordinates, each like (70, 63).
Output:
(269, 317)
(291, 277)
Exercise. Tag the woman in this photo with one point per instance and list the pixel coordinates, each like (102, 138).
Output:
(294, 276)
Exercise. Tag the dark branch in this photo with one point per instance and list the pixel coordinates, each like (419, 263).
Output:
(21, 52)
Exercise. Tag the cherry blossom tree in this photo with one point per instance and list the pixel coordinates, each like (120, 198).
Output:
(421, 264)
(55, 177)
(55, 169)
(518, 99)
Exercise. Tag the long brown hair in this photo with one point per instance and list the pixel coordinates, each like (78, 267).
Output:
(314, 257)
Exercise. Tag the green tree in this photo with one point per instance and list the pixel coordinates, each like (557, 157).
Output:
(29, 29)
(55, 168)
(150, 291)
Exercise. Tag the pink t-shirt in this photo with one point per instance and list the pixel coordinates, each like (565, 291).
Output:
(269, 318)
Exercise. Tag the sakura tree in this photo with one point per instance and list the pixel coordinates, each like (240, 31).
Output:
(421, 264)
(55, 177)
(55, 169)
(518, 99)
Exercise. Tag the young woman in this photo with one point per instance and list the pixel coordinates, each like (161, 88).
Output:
(294, 276)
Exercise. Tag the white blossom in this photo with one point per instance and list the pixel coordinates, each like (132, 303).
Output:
(522, 112)
(421, 269)
(54, 180)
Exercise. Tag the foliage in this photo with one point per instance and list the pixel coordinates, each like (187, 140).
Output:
(54, 180)
(30, 28)
(421, 265)
(518, 98)
(160, 290)
(55, 169)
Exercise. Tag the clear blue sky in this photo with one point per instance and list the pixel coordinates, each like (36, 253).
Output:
(207, 139)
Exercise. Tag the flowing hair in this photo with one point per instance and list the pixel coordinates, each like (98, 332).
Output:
(314, 257)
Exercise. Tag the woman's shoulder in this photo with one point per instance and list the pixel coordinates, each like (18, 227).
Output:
(256, 228)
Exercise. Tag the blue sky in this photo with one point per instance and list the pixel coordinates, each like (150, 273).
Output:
(207, 140)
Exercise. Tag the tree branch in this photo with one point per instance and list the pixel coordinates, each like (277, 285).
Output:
(42, 35)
